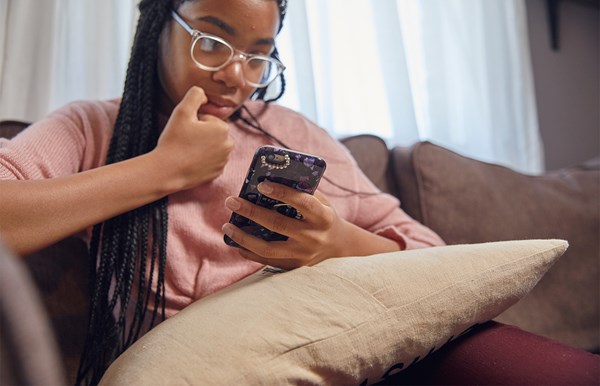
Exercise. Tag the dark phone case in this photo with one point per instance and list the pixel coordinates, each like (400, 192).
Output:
(294, 169)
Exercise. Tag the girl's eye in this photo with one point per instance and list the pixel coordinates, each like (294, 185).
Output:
(207, 45)
(210, 45)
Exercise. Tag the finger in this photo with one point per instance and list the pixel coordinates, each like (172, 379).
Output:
(209, 118)
(268, 218)
(266, 249)
(254, 257)
(305, 203)
(286, 264)
(193, 99)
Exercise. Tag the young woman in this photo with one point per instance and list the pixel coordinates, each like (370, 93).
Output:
(152, 178)
(156, 174)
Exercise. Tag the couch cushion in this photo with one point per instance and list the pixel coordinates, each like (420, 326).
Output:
(404, 173)
(344, 321)
(60, 273)
(28, 351)
(467, 201)
(9, 129)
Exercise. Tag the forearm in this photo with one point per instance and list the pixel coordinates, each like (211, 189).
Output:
(360, 242)
(37, 213)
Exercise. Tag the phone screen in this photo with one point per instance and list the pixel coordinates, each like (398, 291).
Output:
(297, 170)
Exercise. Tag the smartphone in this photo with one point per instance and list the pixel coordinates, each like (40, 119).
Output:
(297, 170)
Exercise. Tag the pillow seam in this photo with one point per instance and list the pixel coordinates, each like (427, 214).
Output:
(480, 273)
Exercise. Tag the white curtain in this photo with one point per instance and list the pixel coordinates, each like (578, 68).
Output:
(455, 72)
(56, 51)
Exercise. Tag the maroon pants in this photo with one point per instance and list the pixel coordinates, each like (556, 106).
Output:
(499, 354)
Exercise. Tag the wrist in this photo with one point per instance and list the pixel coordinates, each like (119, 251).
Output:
(361, 242)
(164, 178)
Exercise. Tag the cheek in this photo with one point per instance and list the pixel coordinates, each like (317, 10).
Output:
(176, 72)
(165, 68)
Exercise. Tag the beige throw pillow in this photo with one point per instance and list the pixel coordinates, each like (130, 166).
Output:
(344, 321)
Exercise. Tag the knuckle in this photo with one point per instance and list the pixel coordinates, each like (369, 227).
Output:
(329, 218)
(317, 239)
(248, 210)
(280, 224)
(237, 236)
(282, 194)
(322, 241)
(309, 203)
(222, 132)
(228, 146)
(198, 92)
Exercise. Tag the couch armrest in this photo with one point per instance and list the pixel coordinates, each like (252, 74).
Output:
(404, 173)
(372, 156)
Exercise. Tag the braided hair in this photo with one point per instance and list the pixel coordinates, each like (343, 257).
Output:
(128, 252)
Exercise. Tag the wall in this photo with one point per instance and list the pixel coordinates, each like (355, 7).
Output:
(567, 81)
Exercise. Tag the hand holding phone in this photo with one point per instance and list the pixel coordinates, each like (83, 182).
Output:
(297, 170)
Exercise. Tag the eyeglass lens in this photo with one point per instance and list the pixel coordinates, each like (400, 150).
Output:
(213, 53)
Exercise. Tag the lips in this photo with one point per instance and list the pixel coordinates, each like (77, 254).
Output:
(219, 107)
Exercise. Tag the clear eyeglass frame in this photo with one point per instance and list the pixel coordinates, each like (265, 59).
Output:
(246, 58)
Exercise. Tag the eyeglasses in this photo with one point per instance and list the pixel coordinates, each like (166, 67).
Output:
(211, 53)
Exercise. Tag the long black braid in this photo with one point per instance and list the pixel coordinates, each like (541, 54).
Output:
(131, 249)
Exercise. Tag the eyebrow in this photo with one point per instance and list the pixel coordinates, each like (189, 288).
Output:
(231, 31)
(218, 23)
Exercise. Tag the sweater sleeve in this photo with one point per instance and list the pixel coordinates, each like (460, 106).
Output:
(70, 140)
(381, 214)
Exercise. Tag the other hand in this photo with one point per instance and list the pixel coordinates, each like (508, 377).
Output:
(195, 147)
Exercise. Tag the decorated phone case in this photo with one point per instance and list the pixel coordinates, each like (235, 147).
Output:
(294, 169)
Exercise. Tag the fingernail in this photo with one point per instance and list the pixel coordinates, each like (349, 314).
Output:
(232, 203)
(227, 229)
(263, 187)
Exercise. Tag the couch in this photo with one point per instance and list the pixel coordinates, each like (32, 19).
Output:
(464, 200)
(468, 201)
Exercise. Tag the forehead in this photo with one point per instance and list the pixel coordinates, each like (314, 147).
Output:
(259, 16)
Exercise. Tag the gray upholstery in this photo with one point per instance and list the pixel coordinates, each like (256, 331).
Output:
(467, 201)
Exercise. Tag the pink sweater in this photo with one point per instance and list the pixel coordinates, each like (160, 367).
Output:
(76, 138)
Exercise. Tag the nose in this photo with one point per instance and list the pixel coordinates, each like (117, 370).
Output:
(232, 74)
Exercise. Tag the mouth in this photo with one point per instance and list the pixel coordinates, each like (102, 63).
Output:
(219, 107)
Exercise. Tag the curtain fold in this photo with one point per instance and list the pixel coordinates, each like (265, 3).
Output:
(27, 53)
(455, 72)
(57, 51)
(91, 57)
